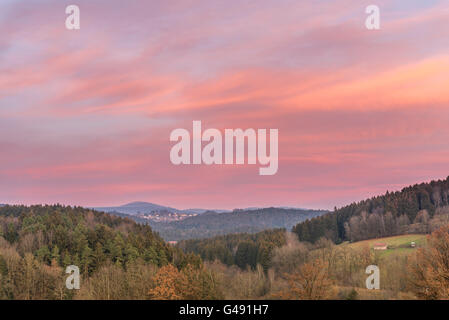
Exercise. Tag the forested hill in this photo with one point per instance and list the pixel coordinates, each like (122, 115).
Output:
(74, 235)
(117, 258)
(210, 224)
(417, 208)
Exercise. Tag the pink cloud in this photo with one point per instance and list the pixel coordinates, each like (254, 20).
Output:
(85, 117)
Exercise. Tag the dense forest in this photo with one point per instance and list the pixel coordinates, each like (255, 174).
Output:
(121, 259)
(210, 224)
(244, 250)
(74, 235)
(411, 210)
(117, 257)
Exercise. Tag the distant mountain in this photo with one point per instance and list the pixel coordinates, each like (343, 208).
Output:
(134, 208)
(210, 223)
(140, 207)
(175, 224)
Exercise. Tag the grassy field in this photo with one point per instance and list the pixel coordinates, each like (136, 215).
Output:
(397, 245)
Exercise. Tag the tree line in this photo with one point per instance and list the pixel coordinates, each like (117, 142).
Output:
(271, 264)
(408, 210)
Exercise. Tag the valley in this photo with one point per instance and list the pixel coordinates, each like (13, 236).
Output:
(256, 253)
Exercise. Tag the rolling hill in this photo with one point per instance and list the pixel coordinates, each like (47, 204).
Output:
(210, 223)
(134, 208)
(420, 208)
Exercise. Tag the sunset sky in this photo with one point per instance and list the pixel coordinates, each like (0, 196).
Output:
(86, 115)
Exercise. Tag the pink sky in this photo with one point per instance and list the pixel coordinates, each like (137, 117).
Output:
(85, 116)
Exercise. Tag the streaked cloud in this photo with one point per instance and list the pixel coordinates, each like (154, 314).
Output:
(85, 116)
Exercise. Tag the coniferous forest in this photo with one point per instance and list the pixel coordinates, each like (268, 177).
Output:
(117, 257)
(405, 211)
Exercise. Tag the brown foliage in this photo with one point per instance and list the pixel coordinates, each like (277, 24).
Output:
(310, 282)
(429, 270)
(191, 283)
(169, 284)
